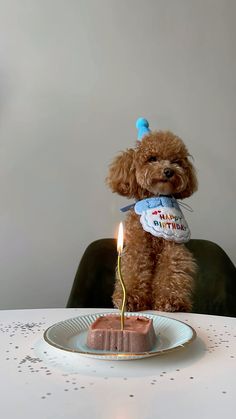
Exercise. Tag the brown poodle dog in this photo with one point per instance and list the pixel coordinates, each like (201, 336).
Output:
(158, 273)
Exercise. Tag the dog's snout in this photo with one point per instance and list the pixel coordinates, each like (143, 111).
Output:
(168, 172)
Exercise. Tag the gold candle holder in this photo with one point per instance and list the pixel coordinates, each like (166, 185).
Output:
(119, 250)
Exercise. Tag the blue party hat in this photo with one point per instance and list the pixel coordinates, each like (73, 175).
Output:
(142, 126)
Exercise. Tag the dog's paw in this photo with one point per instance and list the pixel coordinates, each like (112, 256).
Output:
(172, 305)
(132, 304)
(136, 305)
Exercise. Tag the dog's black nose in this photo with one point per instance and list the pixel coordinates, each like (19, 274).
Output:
(168, 172)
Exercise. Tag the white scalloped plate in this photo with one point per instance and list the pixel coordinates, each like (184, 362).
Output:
(70, 335)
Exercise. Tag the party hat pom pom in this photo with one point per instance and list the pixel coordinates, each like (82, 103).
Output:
(142, 126)
(142, 122)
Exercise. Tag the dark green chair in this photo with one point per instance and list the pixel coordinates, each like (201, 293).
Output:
(215, 291)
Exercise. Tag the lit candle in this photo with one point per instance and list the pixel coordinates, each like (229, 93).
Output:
(119, 250)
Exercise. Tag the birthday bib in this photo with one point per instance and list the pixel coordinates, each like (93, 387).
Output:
(162, 217)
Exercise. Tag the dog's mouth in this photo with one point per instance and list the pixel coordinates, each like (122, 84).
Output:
(161, 181)
(161, 186)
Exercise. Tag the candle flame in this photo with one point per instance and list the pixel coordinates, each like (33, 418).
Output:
(120, 239)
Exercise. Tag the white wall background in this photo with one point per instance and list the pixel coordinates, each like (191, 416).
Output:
(74, 76)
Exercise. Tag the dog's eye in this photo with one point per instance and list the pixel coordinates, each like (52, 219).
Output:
(177, 161)
(151, 159)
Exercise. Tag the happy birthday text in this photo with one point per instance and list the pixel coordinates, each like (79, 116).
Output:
(169, 225)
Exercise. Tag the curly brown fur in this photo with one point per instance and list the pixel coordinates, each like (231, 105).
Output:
(158, 273)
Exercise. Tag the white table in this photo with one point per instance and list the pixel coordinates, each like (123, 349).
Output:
(39, 381)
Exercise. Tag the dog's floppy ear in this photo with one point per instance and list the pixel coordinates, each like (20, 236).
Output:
(192, 183)
(121, 177)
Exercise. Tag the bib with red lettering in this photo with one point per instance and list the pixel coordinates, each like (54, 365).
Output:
(162, 217)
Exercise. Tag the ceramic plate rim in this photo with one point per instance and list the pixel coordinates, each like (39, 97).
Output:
(119, 355)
